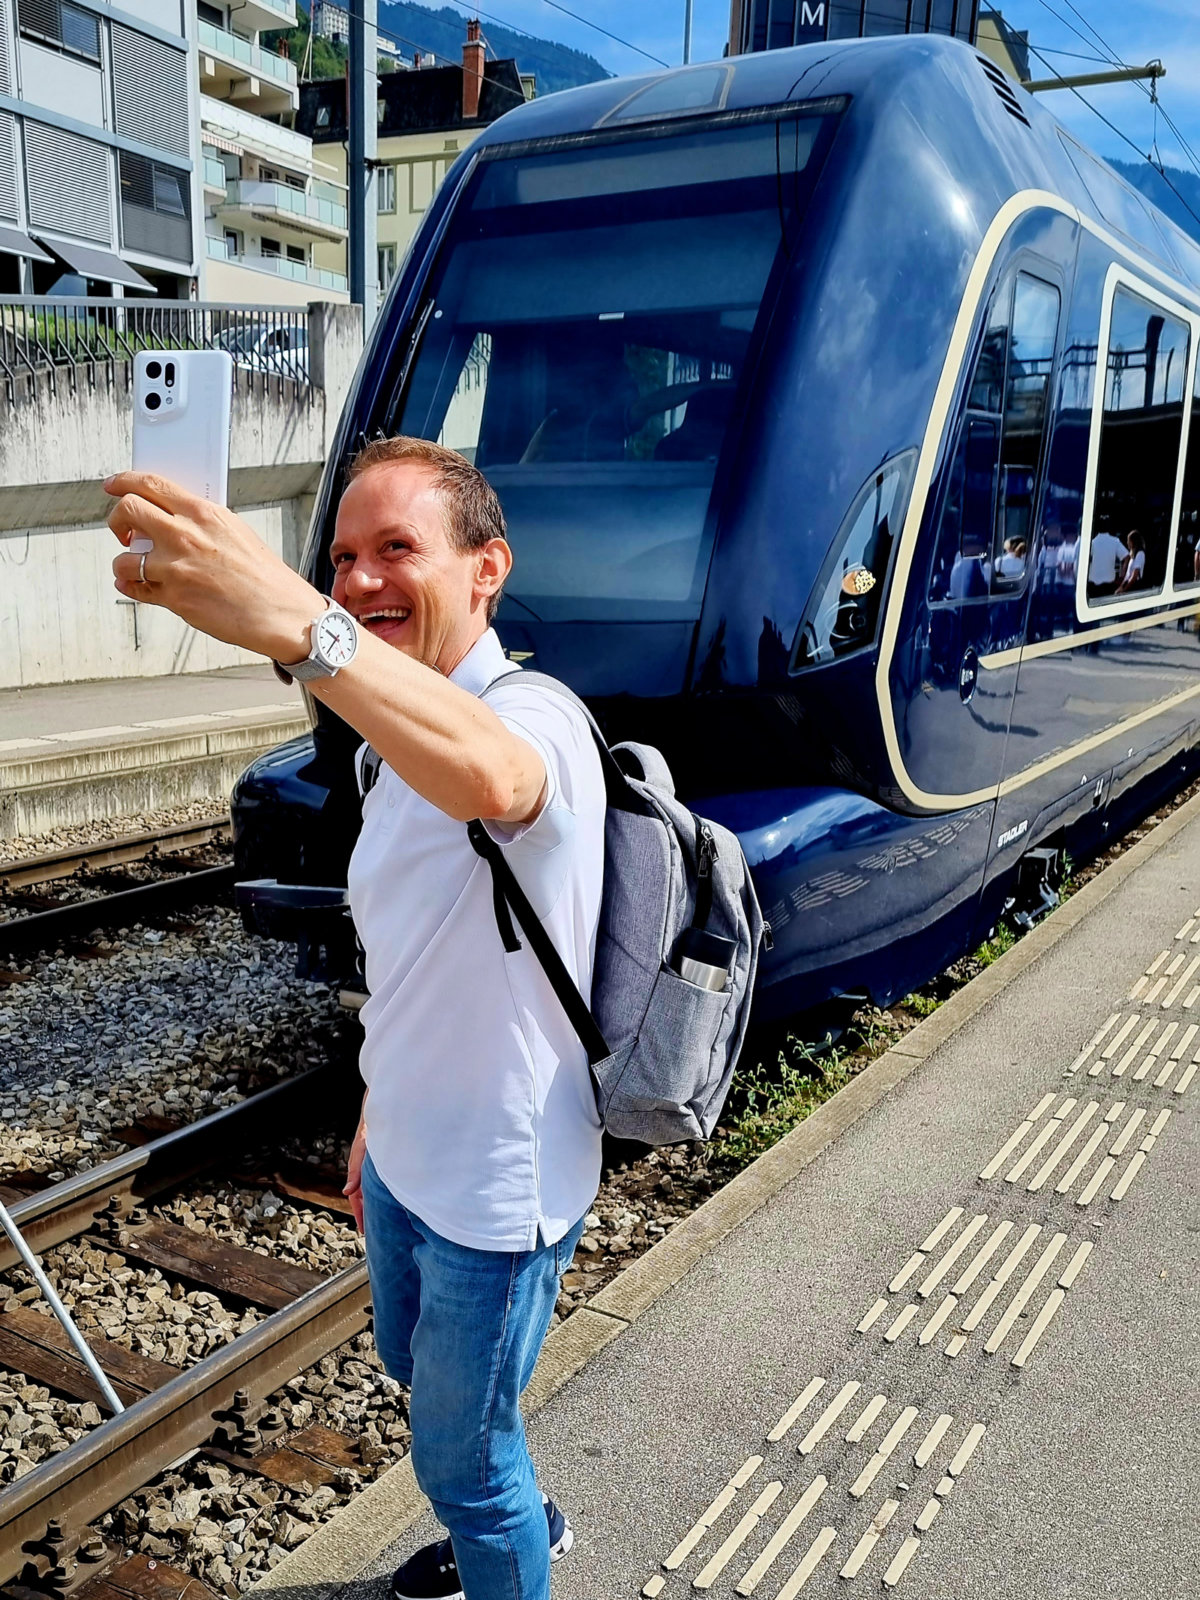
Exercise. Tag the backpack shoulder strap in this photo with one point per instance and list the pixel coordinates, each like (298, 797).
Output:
(508, 892)
(616, 786)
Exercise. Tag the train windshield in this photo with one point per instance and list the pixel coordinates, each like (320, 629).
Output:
(593, 307)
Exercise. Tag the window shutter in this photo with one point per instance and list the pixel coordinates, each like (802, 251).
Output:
(6, 72)
(69, 189)
(8, 167)
(150, 90)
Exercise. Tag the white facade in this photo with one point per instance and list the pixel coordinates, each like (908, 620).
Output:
(99, 180)
(269, 207)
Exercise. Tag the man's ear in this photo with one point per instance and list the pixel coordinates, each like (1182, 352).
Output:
(494, 565)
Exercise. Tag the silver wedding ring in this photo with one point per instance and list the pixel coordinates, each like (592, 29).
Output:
(142, 567)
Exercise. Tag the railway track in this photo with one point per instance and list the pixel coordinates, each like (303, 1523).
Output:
(96, 893)
(217, 1405)
(182, 836)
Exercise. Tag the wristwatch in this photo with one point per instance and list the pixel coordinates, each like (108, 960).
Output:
(334, 636)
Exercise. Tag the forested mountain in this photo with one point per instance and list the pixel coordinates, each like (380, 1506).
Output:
(439, 34)
(443, 30)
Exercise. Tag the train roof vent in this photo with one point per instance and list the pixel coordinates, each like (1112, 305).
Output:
(1001, 85)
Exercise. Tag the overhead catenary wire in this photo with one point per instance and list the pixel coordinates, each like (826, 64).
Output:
(435, 55)
(1113, 58)
(1120, 133)
(451, 61)
(588, 23)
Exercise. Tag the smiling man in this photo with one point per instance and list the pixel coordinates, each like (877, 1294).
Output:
(478, 1152)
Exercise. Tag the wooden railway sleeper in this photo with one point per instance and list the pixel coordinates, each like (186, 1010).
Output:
(94, 1474)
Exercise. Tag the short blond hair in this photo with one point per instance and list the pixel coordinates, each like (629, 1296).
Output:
(470, 506)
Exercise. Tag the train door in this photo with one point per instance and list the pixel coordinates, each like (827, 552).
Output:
(959, 717)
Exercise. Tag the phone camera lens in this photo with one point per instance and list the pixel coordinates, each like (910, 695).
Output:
(153, 370)
(170, 378)
(153, 401)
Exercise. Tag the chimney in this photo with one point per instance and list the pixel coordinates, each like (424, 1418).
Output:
(472, 71)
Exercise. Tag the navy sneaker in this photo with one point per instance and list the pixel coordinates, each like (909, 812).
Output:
(432, 1573)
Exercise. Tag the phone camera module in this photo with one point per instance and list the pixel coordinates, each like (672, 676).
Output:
(153, 401)
(169, 380)
(153, 370)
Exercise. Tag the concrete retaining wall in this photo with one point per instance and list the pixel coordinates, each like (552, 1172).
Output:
(57, 603)
(49, 784)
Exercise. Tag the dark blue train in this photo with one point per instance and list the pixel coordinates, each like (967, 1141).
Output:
(845, 413)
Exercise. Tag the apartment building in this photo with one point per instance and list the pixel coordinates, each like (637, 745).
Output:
(274, 213)
(427, 115)
(98, 148)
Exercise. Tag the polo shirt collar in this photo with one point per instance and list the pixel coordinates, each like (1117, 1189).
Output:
(483, 663)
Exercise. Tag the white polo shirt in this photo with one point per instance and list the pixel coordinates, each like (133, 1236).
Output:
(481, 1117)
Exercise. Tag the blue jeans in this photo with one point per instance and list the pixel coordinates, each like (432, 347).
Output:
(463, 1328)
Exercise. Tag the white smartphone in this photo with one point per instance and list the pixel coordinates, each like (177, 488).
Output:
(182, 408)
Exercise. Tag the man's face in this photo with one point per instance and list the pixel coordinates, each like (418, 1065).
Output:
(396, 571)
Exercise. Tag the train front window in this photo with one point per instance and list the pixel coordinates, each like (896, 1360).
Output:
(593, 310)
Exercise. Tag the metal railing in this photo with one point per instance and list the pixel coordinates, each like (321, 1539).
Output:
(94, 341)
(262, 194)
(231, 47)
(284, 267)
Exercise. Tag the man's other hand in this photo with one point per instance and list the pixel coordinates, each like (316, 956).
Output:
(353, 1188)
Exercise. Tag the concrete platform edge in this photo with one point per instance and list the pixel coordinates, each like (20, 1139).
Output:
(342, 1548)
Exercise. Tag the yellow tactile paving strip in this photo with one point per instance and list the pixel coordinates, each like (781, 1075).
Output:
(976, 1281)
(944, 1447)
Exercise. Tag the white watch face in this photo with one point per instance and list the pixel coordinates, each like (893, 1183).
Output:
(336, 638)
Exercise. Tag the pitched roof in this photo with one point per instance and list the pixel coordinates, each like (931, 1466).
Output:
(423, 100)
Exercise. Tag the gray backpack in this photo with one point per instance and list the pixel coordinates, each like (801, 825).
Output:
(677, 899)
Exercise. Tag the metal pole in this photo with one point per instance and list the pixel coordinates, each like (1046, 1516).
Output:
(59, 1310)
(1152, 70)
(360, 166)
(687, 32)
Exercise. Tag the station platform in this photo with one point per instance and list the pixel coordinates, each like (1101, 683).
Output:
(76, 753)
(942, 1338)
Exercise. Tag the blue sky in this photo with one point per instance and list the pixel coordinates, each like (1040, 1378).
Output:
(1169, 29)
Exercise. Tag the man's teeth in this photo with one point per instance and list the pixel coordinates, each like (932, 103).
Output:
(378, 616)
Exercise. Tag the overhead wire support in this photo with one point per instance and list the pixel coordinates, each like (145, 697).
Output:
(1120, 133)
(1084, 80)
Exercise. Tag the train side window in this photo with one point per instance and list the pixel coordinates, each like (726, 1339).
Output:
(1140, 436)
(842, 613)
(986, 526)
(1027, 386)
(1187, 550)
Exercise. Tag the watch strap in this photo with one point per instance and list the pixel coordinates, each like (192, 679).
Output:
(311, 667)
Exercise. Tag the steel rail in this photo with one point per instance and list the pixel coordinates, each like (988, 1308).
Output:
(71, 1207)
(38, 929)
(97, 1472)
(112, 852)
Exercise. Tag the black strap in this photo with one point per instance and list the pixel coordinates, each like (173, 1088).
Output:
(506, 892)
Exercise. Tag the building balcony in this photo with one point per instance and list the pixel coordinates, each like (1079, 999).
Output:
(234, 70)
(215, 180)
(280, 146)
(262, 14)
(287, 208)
(279, 267)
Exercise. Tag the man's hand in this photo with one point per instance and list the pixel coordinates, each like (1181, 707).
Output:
(353, 1188)
(209, 567)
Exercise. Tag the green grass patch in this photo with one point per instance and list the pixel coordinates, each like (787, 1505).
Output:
(992, 949)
